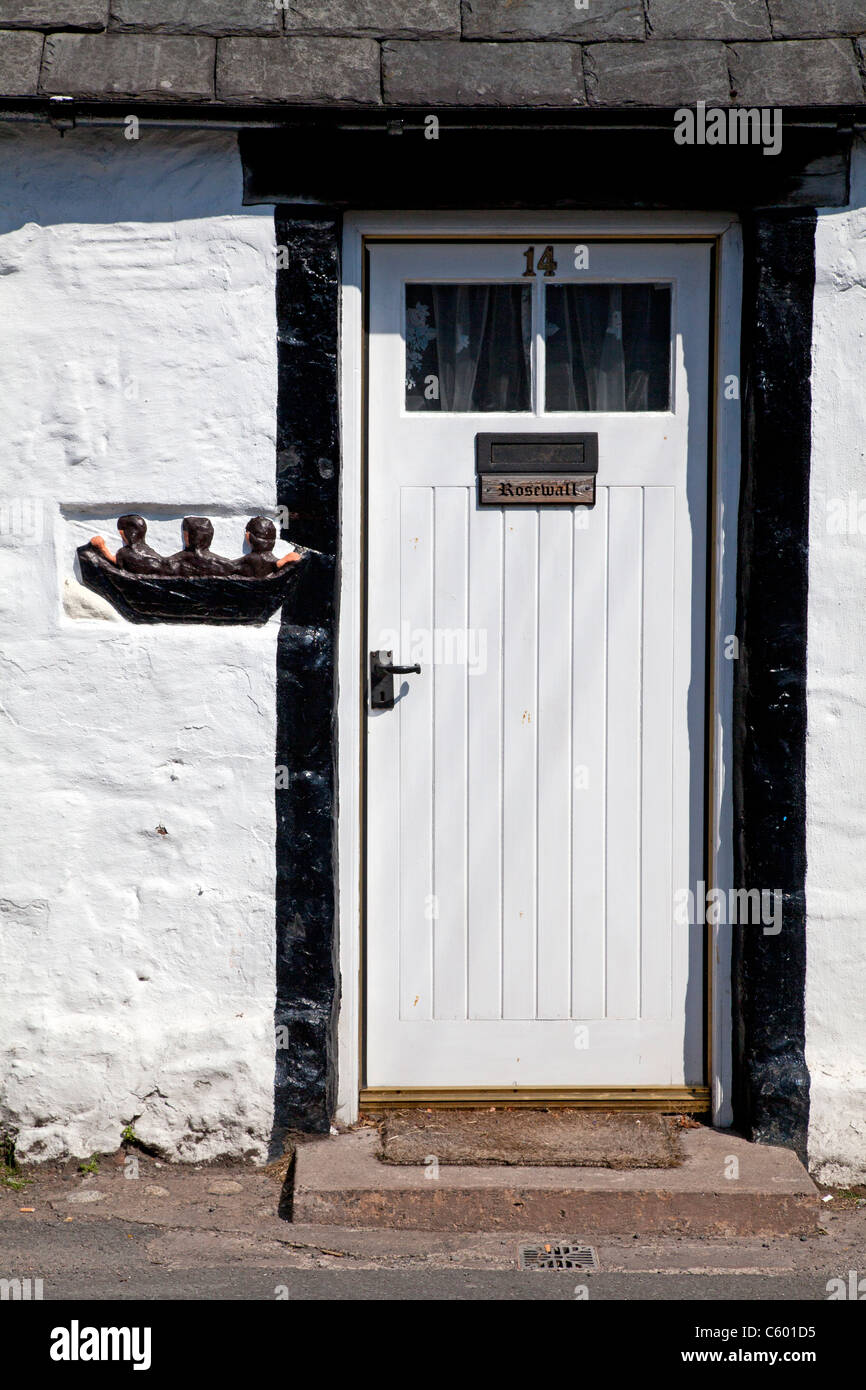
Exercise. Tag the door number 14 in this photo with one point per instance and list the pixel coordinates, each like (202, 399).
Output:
(547, 262)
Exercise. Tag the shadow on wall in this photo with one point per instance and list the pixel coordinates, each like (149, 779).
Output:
(97, 175)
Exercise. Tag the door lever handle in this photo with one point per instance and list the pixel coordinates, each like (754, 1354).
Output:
(401, 670)
(382, 674)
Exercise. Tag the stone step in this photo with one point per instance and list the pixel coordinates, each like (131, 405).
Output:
(725, 1187)
(532, 1138)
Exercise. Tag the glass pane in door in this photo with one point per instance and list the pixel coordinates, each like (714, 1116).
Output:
(468, 347)
(608, 347)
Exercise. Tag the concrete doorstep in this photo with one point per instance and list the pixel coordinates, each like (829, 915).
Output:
(725, 1187)
(531, 1138)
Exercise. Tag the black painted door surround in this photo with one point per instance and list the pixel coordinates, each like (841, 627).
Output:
(771, 1081)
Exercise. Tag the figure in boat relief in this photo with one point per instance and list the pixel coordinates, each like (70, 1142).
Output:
(261, 535)
(196, 559)
(135, 555)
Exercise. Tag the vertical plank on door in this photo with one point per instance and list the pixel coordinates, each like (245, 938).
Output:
(519, 761)
(554, 763)
(657, 788)
(451, 537)
(625, 582)
(588, 769)
(484, 817)
(415, 714)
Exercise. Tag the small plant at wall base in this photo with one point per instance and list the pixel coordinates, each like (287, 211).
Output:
(129, 1140)
(91, 1166)
(10, 1173)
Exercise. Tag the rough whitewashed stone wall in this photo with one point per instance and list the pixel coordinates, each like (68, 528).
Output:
(836, 748)
(138, 341)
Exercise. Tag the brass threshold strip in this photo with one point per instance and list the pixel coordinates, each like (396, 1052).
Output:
(691, 1099)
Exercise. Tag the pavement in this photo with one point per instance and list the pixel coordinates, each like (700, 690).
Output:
(138, 1228)
(245, 1256)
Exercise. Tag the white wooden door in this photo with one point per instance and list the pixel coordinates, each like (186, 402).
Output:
(535, 796)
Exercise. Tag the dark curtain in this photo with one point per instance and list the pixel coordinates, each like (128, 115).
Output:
(474, 340)
(608, 347)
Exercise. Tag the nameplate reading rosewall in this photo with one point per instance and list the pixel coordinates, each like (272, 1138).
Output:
(528, 489)
(536, 470)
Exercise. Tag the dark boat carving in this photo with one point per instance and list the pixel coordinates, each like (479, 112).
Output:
(207, 598)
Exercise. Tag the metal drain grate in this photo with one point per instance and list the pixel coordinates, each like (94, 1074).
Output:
(557, 1254)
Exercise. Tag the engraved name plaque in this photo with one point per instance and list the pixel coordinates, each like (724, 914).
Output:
(536, 470)
(528, 489)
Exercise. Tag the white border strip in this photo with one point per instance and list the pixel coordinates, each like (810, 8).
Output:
(727, 503)
(349, 691)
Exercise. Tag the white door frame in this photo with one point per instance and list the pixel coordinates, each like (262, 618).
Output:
(724, 231)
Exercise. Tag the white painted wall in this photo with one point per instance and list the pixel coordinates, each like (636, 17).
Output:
(836, 746)
(138, 351)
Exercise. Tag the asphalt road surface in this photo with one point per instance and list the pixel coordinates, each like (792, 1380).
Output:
(98, 1259)
(347, 1285)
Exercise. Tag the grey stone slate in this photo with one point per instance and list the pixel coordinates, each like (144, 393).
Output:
(523, 53)
(128, 65)
(407, 19)
(483, 74)
(546, 19)
(656, 73)
(198, 17)
(318, 71)
(20, 55)
(53, 14)
(798, 73)
(709, 19)
(794, 19)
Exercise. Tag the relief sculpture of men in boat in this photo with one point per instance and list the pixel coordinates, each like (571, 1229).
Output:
(194, 584)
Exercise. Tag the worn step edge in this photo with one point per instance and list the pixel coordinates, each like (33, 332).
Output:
(590, 1213)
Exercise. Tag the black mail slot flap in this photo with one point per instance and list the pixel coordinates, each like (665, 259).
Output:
(536, 453)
